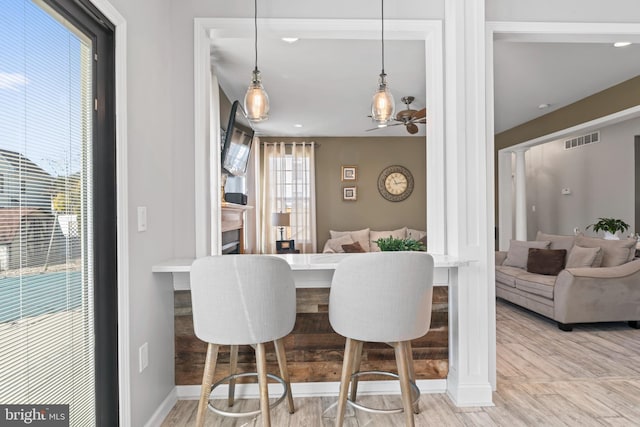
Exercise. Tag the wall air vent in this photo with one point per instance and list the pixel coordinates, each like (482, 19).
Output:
(582, 140)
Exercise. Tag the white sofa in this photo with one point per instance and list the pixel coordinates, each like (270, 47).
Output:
(364, 240)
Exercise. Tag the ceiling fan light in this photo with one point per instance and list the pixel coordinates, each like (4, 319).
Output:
(383, 105)
(256, 100)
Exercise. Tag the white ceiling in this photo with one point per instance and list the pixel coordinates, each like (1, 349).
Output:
(527, 75)
(326, 85)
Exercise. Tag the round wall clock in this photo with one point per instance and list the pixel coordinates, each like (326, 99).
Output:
(395, 183)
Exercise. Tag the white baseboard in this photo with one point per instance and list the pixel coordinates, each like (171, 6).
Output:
(312, 389)
(163, 410)
(471, 395)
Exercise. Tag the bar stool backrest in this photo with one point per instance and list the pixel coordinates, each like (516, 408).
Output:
(382, 296)
(242, 299)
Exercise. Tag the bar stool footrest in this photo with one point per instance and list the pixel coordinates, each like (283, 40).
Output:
(415, 391)
(247, 413)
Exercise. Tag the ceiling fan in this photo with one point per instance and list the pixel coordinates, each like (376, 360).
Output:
(408, 117)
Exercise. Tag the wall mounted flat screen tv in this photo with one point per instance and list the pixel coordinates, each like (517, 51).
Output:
(237, 140)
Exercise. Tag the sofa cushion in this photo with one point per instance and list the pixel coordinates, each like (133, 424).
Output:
(400, 233)
(614, 252)
(558, 241)
(537, 284)
(519, 252)
(336, 244)
(583, 257)
(546, 261)
(507, 275)
(353, 248)
(361, 236)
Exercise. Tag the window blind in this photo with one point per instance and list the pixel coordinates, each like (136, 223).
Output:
(46, 297)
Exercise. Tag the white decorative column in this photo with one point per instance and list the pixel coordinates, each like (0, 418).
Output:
(521, 195)
(469, 209)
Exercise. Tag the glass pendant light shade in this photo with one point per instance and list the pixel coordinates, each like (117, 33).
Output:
(256, 100)
(383, 105)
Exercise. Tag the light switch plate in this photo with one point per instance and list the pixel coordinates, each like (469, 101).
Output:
(143, 356)
(142, 218)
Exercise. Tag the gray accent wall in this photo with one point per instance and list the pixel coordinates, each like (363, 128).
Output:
(601, 178)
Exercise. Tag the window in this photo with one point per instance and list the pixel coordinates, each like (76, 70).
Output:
(289, 186)
(55, 220)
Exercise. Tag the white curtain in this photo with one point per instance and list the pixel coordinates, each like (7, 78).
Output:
(288, 185)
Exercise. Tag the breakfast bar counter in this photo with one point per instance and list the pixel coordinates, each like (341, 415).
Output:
(314, 350)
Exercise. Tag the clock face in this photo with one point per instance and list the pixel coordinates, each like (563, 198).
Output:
(395, 183)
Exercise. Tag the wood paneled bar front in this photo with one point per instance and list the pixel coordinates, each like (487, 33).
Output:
(314, 350)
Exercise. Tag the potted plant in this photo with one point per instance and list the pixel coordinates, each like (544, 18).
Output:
(396, 244)
(610, 226)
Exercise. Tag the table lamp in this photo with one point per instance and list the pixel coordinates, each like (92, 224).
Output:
(280, 219)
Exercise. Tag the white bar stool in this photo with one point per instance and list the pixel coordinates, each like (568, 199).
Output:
(381, 297)
(243, 300)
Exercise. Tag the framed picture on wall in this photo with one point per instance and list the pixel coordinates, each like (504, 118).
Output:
(349, 194)
(349, 173)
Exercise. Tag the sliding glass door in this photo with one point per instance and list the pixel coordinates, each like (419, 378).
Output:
(57, 211)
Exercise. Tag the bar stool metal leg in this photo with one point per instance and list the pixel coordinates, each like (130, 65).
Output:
(284, 373)
(233, 365)
(356, 368)
(207, 380)
(261, 363)
(347, 369)
(405, 387)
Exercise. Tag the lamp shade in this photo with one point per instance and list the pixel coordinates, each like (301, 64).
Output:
(280, 219)
(383, 105)
(256, 100)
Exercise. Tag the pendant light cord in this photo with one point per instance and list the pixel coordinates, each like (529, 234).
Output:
(382, 2)
(255, 28)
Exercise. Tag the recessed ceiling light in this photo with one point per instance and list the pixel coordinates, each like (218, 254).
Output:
(297, 125)
(290, 39)
(621, 44)
(543, 106)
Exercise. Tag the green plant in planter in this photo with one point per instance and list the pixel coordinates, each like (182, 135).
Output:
(396, 244)
(612, 225)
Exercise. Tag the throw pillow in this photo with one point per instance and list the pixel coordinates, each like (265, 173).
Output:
(614, 252)
(415, 234)
(400, 233)
(583, 257)
(353, 248)
(336, 244)
(558, 241)
(546, 261)
(519, 252)
(361, 236)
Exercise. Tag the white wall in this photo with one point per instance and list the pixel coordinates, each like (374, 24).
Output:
(150, 183)
(600, 176)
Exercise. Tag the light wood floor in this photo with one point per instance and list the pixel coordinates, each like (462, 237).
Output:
(546, 377)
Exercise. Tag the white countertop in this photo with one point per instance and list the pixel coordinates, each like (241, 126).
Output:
(303, 262)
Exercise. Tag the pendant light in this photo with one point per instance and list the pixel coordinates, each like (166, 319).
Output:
(256, 100)
(383, 105)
